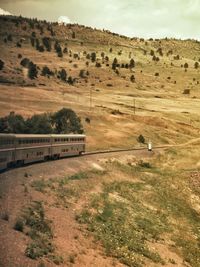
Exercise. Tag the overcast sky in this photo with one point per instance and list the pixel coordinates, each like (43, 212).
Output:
(141, 18)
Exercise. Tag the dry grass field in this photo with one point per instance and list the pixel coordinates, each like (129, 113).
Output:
(134, 209)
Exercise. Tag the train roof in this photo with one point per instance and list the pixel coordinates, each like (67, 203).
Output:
(40, 135)
(6, 135)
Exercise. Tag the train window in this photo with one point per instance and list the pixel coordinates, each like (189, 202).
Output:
(3, 159)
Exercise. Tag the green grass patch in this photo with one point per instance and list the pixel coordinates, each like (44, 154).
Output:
(128, 214)
(121, 227)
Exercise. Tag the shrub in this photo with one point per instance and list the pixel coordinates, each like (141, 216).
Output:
(70, 80)
(46, 71)
(144, 164)
(93, 56)
(73, 35)
(186, 91)
(196, 65)
(65, 50)
(9, 38)
(132, 63)
(19, 225)
(98, 65)
(58, 49)
(5, 216)
(32, 71)
(1, 64)
(87, 120)
(18, 44)
(114, 64)
(132, 78)
(63, 75)
(141, 139)
(25, 62)
(82, 74)
(41, 48)
(47, 43)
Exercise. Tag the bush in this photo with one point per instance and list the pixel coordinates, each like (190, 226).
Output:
(19, 225)
(70, 80)
(18, 44)
(98, 65)
(114, 64)
(144, 164)
(9, 38)
(5, 216)
(141, 139)
(63, 75)
(47, 43)
(186, 91)
(46, 71)
(87, 120)
(93, 56)
(25, 62)
(132, 64)
(196, 65)
(132, 78)
(32, 71)
(1, 64)
(82, 74)
(73, 35)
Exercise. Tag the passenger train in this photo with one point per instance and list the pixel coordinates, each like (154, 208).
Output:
(19, 149)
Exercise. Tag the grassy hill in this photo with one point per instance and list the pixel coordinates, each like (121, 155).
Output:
(162, 86)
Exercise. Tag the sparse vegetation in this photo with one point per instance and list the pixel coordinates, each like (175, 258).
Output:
(141, 139)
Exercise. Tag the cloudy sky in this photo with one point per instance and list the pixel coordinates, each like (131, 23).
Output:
(141, 18)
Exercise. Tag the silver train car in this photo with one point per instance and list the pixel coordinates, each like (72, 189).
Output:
(19, 149)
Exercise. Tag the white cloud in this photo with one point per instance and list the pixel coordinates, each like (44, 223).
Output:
(63, 19)
(3, 12)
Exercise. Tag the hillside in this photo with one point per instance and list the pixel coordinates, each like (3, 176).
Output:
(122, 209)
(97, 89)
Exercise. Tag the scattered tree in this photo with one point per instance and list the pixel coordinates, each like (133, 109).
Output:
(32, 70)
(132, 64)
(196, 65)
(132, 78)
(114, 64)
(47, 43)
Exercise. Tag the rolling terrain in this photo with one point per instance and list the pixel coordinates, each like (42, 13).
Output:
(124, 209)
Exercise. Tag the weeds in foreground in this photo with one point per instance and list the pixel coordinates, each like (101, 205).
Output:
(40, 231)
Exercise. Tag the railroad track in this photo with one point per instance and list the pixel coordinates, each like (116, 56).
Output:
(122, 150)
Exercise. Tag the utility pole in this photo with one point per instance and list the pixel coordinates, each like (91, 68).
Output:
(134, 106)
(90, 99)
